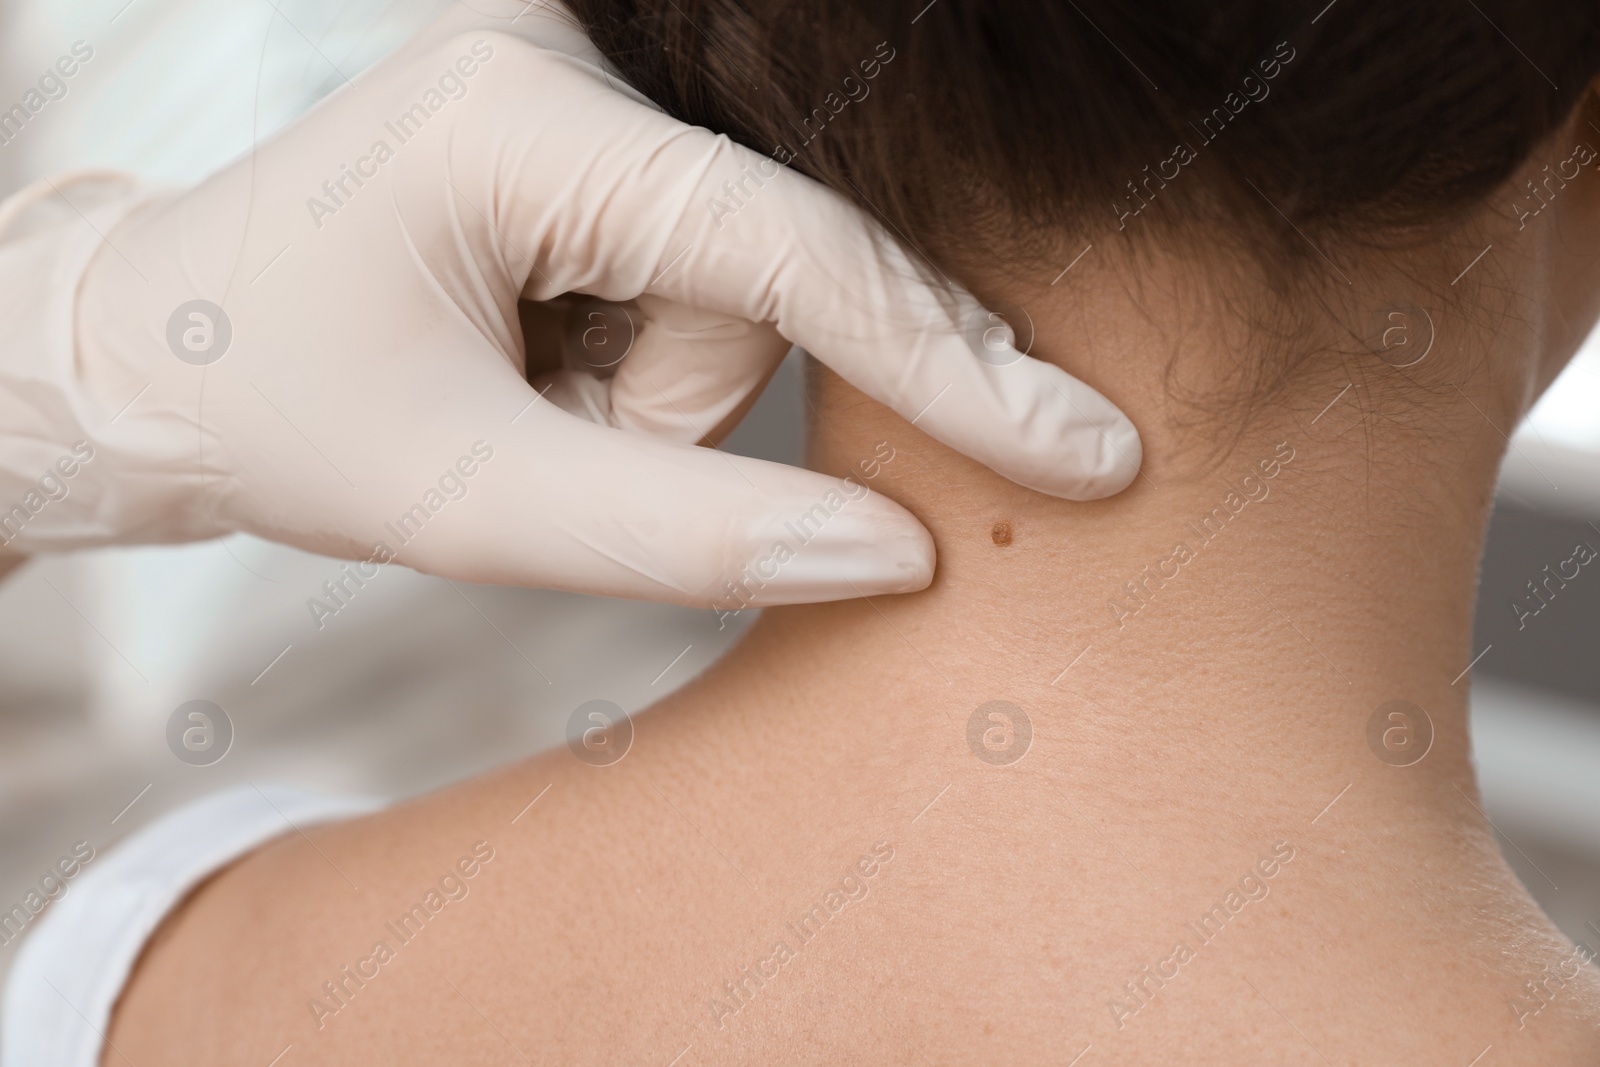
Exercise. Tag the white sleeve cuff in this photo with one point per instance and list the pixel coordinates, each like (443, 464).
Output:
(49, 232)
(70, 971)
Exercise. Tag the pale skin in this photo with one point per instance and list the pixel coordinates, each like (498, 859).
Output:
(1176, 751)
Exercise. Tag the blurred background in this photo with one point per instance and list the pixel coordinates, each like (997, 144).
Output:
(419, 682)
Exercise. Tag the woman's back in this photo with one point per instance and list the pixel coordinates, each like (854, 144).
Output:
(999, 821)
(1177, 777)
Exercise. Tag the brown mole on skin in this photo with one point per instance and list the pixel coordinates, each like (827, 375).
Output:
(1001, 533)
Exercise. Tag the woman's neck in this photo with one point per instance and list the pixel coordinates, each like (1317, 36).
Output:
(995, 821)
(1260, 605)
(1254, 615)
(1165, 776)
(1141, 701)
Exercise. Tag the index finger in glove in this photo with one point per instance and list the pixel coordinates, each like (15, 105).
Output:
(648, 204)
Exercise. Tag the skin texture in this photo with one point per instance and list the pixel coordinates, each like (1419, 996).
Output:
(1177, 753)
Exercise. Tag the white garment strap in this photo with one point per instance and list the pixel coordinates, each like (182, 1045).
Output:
(75, 960)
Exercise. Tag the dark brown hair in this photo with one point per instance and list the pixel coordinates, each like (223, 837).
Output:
(949, 118)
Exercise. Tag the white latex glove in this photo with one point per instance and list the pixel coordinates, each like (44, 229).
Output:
(362, 394)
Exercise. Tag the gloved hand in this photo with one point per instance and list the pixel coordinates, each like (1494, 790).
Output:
(321, 345)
